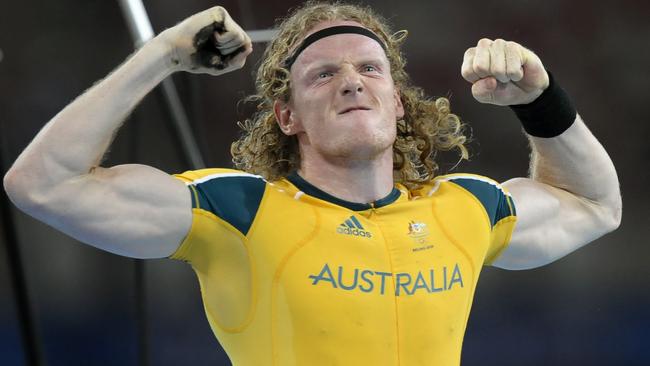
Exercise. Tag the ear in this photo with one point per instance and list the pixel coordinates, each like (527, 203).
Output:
(399, 107)
(284, 117)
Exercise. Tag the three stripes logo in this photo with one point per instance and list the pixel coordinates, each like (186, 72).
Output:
(352, 226)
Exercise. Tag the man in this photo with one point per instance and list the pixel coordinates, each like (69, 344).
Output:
(343, 247)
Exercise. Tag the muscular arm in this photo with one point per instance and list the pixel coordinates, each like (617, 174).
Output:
(132, 210)
(572, 196)
(571, 199)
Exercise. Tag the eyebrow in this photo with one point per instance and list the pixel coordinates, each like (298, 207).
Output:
(319, 65)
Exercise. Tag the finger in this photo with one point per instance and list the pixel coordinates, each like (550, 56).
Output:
(229, 31)
(481, 64)
(233, 51)
(483, 90)
(514, 62)
(240, 59)
(242, 41)
(237, 57)
(214, 19)
(225, 38)
(214, 14)
(237, 41)
(234, 38)
(467, 68)
(219, 28)
(219, 15)
(498, 61)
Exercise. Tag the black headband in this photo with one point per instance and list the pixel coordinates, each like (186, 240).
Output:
(339, 29)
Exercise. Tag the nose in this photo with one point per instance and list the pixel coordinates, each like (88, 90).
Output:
(351, 84)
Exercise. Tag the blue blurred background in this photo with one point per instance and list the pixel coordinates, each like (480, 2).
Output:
(590, 308)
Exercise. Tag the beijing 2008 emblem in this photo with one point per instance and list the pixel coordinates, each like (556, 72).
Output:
(419, 233)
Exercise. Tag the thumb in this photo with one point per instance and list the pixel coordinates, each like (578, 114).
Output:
(483, 89)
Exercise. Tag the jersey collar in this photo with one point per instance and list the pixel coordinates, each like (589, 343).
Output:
(313, 191)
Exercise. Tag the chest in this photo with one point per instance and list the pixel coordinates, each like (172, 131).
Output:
(406, 250)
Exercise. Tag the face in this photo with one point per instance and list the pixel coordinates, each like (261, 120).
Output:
(343, 100)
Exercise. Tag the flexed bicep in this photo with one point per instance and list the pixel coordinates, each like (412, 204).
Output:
(131, 210)
(552, 223)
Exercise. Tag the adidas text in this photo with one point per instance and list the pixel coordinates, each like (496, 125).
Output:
(355, 232)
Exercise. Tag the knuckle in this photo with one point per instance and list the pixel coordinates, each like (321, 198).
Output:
(502, 77)
(220, 10)
(481, 72)
(516, 74)
(498, 68)
(512, 45)
(484, 42)
(216, 13)
(481, 68)
(497, 56)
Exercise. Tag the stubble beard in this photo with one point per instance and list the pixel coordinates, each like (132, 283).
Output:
(359, 147)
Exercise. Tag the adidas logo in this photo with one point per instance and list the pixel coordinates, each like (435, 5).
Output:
(352, 226)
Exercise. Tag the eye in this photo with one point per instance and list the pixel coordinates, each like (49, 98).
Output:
(324, 74)
(369, 68)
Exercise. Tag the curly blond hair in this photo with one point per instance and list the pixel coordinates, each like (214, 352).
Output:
(428, 126)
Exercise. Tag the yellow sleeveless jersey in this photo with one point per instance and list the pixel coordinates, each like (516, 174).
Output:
(291, 275)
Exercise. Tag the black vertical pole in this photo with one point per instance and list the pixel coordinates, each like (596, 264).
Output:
(139, 270)
(29, 335)
(141, 312)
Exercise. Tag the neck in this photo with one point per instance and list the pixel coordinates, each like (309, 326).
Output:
(360, 181)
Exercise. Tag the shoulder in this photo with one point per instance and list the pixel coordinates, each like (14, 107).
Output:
(472, 182)
(495, 199)
(232, 195)
(206, 175)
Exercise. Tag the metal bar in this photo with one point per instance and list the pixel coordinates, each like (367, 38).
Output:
(141, 31)
(29, 334)
(262, 35)
(137, 20)
(182, 124)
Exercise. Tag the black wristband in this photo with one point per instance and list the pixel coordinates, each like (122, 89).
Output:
(550, 114)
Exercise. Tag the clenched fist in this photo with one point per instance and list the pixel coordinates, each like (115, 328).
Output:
(208, 42)
(504, 73)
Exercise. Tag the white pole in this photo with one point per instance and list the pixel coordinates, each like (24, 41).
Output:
(137, 21)
(141, 31)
